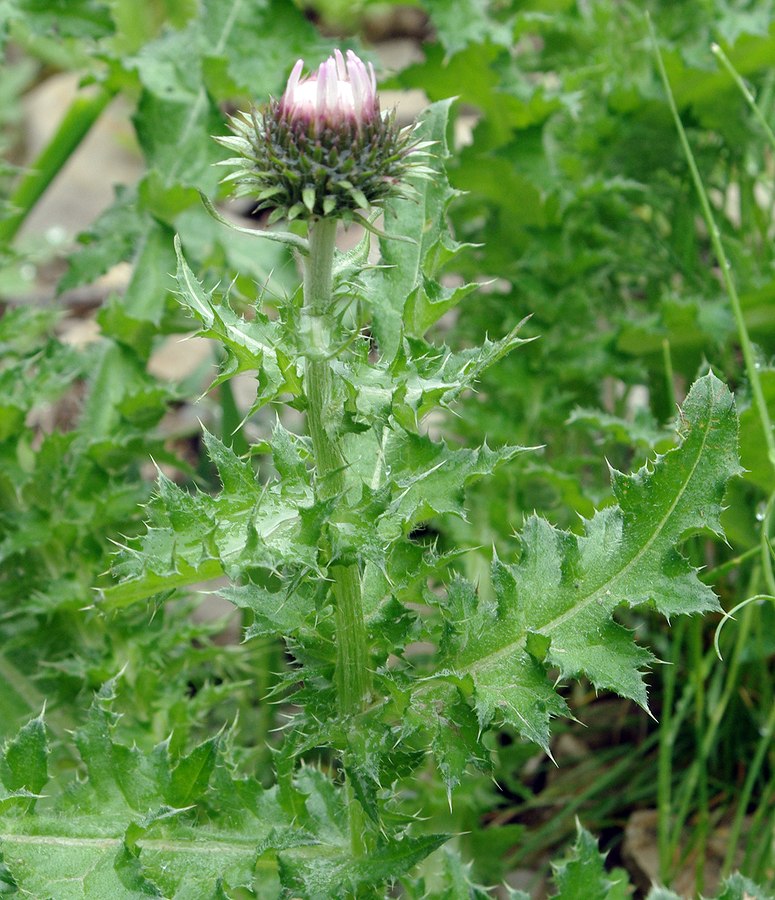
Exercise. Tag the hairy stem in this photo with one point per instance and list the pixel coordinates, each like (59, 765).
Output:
(352, 675)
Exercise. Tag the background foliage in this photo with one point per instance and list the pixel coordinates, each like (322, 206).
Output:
(577, 202)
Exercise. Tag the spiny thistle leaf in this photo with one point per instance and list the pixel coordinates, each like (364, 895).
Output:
(420, 378)
(583, 873)
(23, 764)
(140, 823)
(195, 537)
(147, 823)
(251, 346)
(555, 605)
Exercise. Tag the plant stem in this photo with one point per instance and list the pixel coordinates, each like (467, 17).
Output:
(746, 346)
(352, 674)
(745, 91)
(669, 376)
(754, 769)
(667, 734)
(714, 718)
(79, 118)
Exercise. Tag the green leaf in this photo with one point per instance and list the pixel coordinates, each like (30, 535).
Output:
(114, 834)
(565, 587)
(191, 776)
(422, 218)
(456, 880)
(110, 239)
(319, 874)
(137, 25)
(150, 283)
(24, 764)
(429, 478)
(236, 474)
(275, 612)
(737, 887)
(753, 446)
(279, 33)
(582, 875)
(175, 115)
(468, 22)
(67, 18)
(194, 537)
(642, 432)
(129, 870)
(251, 346)
(429, 302)
(419, 379)
(121, 391)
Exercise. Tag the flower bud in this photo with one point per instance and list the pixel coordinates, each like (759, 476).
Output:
(323, 149)
(339, 92)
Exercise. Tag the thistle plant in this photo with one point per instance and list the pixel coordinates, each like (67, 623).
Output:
(323, 152)
(399, 667)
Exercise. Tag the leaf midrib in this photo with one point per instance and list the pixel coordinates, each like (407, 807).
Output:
(591, 597)
(242, 846)
(61, 840)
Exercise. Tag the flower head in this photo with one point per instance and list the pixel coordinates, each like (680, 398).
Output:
(324, 148)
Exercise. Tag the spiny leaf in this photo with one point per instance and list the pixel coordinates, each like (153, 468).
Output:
(418, 379)
(236, 475)
(457, 881)
(420, 218)
(114, 834)
(337, 873)
(23, 764)
(192, 536)
(254, 346)
(555, 605)
(429, 478)
(583, 873)
(275, 612)
(737, 887)
(191, 775)
(468, 22)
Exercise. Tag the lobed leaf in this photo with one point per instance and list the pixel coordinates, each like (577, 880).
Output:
(254, 346)
(149, 824)
(555, 605)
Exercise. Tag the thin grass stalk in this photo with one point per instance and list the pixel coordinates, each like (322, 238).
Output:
(667, 735)
(714, 719)
(754, 768)
(758, 854)
(731, 565)
(700, 704)
(667, 360)
(726, 271)
(549, 833)
(745, 91)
